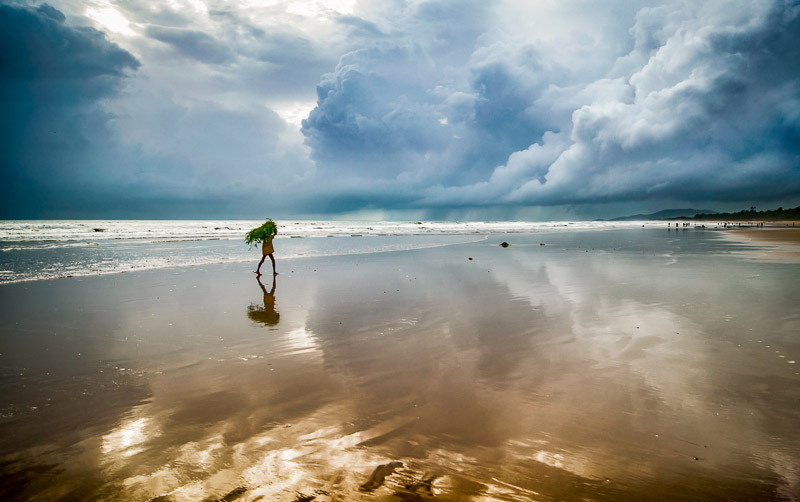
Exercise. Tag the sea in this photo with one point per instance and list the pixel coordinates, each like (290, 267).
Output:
(48, 249)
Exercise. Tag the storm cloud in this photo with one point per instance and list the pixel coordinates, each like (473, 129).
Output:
(53, 129)
(704, 106)
(426, 107)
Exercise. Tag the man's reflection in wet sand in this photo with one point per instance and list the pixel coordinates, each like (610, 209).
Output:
(266, 314)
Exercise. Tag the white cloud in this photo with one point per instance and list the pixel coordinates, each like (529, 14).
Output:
(109, 18)
(294, 112)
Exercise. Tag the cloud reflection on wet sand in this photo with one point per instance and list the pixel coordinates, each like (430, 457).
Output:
(523, 374)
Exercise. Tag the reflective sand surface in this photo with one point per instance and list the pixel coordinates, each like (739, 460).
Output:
(614, 365)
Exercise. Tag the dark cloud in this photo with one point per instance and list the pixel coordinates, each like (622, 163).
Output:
(52, 78)
(508, 82)
(194, 44)
(374, 110)
(37, 45)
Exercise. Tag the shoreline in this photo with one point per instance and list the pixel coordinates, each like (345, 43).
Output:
(290, 249)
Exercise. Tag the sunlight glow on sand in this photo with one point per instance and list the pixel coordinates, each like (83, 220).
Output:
(128, 438)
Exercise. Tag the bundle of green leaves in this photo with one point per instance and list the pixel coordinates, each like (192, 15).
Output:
(262, 233)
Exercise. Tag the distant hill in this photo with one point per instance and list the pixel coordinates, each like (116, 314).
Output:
(666, 214)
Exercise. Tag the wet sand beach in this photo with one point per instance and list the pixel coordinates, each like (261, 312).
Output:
(628, 365)
(788, 235)
(779, 243)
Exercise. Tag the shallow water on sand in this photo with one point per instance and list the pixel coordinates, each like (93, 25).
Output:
(613, 365)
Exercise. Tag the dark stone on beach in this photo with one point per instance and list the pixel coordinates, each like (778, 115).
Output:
(99, 229)
(379, 475)
(505, 244)
(541, 243)
(470, 258)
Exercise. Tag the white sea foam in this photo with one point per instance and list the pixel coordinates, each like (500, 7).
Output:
(102, 230)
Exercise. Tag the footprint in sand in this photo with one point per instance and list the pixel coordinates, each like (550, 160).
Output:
(379, 475)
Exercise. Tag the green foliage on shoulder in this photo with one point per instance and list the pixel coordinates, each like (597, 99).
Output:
(262, 233)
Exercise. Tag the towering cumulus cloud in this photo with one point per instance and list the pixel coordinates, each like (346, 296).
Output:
(52, 127)
(701, 101)
(710, 112)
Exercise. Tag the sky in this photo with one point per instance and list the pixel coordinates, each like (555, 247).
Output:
(397, 109)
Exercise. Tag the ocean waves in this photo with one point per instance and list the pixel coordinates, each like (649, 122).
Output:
(156, 230)
(35, 250)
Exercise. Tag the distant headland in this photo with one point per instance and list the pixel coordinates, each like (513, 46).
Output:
(779, 214)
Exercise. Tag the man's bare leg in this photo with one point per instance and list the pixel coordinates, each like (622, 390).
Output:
(258, 270)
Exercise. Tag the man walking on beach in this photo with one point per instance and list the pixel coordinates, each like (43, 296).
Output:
(267, 250)
(264, 234)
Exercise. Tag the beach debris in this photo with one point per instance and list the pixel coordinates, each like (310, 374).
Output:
(505, 244)
(99, 229)
(379, 475)
(541, 243)
(470, 258)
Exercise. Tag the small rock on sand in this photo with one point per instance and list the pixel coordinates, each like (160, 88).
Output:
(505, 244)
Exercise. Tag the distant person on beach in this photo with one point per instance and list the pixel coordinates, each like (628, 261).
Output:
(264, 234)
